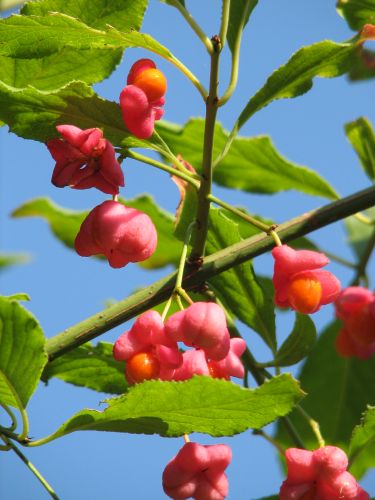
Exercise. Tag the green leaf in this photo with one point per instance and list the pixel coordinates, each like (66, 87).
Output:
(182, 2)
(89, 366)
(18, 296)
(22, 355)
(363, 65)
(324, 59)
(88, 65)
(357, 12)
(33, 114)
(10, 259)
(252, 164)
(175, 408)
(238, 287)
(338, 392)
(55, 71)
(299, 343)
(31, 37)
(121, 14)
(362, 137)
(359, 233)
(65, 224)
(238, 10)
(362, 444)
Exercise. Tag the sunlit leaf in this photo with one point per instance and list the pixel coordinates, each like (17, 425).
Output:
(68, 64)
(177, 408)
(252, 164)
(323, 59)
(33, 114)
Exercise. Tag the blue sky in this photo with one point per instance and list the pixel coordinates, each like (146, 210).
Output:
(65, 288)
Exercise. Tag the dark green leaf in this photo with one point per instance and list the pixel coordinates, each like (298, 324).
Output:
(299, 343)
(363, 65)
(362, 444)
(357, 12)
(34, 114)
(239, 14)
(252, 164)
(89, 366)
(362, 137)
(359, 232)
(238, 287)
(22, 355)
(176, 408)
(65, 225)
(324, 59)
(338, 392)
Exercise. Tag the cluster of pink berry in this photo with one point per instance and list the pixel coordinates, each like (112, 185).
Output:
(150, 349)
(319, 475)
(300, 282)
(355, 306)
(85, 159)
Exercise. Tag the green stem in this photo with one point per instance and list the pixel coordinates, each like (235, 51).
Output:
(182, 293)
(11, 415)
(313, 424)
(206, 182)
(251, 220)
(181, 266)
(364, 260)
(214, 264)
(166, 308)
(194, 80)
(339, 259)
(178, 163)
(271, 440)
(225, 11)
(276, 238)
(193, 24)
(293, 432)
(166, 168)
(227, 145)
(363, 218)
(250, 4)
(32, 467)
